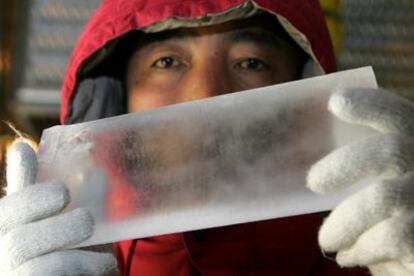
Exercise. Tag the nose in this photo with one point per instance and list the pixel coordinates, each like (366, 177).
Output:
(203, 81)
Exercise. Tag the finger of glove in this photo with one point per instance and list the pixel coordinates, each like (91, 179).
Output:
(21, 166)
(391, 239)
(384, 154)
(70, 262)
(376, 108)
(31, 204)
(28, 241)
(392, 268)
(365, 209)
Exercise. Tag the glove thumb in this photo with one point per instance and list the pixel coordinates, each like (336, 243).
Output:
(21, 167)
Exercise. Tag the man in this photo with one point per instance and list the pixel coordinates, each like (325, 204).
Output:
(139, 55)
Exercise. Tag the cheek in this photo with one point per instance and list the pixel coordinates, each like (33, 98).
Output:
(246, 81)
(150, 91)
(142, 99)
(256, 80)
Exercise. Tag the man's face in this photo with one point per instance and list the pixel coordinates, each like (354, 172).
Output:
(195, 63)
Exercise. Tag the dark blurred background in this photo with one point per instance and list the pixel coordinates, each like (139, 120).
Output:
(36, 37)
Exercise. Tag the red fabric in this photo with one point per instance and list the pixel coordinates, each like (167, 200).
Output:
(116, 17)
(162, 255)
(276, 247)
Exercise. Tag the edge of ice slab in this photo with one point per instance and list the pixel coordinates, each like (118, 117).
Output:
(302, 202)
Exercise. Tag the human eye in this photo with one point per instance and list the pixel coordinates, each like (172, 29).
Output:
(166, 62)
(252, 64)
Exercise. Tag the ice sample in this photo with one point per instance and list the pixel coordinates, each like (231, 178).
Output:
(224, 160)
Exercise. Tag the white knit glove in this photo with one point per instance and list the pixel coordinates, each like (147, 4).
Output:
(33, 231)
(375, 226)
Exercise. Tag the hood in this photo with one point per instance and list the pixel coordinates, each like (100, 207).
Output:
(302, 19)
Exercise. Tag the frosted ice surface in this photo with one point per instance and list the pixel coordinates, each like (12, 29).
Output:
(224, 160)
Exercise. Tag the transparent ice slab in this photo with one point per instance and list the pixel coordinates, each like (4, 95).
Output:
(224, 160)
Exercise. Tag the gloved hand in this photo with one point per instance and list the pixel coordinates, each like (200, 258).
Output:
(375, 226)
(34, 232)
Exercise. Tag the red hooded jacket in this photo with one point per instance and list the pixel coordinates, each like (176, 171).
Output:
(93, 90)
